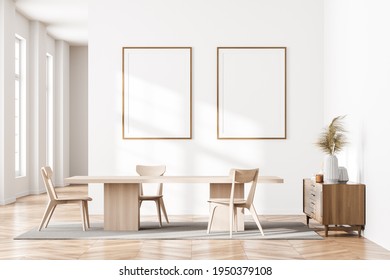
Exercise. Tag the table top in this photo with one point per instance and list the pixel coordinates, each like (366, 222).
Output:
(163, 179)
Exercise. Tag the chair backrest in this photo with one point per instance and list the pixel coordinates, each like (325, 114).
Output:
(47, 173)
(243, 176)
(151, 170)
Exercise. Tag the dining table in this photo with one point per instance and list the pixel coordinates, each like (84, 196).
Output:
(121, 196)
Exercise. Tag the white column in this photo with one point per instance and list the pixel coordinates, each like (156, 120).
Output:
(37, 114)
(78, 117)
(61, 148)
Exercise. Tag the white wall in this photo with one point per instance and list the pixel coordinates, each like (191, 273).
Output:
(38, 44)
(205, 25)
(2, 87)
(79, 111)
(50, 45)
(357, 71)
(7, 84)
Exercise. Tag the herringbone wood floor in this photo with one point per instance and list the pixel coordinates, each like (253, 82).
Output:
(27, 212)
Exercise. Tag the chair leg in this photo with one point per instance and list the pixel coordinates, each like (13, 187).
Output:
(83, 215)
(139, 209)
(256, 218)
(158, 206)
(231, 220)
(86, 212)
(164, 210)
(46, 215)
(50, 215)
(235, 220)
(211, 218)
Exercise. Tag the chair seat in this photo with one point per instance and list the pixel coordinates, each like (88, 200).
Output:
(84, 198)
(226, 201)
(150, 197)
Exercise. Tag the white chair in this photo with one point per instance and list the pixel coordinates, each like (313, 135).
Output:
(54, 200)
(239, 176)
(158, 170)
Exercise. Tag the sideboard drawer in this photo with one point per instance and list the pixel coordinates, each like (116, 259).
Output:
(312, 199)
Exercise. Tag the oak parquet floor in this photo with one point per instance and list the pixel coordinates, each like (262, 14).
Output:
(27, 212)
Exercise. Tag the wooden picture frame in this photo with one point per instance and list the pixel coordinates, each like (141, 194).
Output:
(251, 93)
(156, 93)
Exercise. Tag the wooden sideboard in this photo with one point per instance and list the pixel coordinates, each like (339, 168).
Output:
(337, 206)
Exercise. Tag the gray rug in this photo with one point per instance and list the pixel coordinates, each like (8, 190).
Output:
(174, 230)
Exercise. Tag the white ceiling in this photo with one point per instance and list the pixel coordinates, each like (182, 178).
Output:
(65, 19)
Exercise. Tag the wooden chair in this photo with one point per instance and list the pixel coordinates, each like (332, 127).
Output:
(158, 170)
(54, 200)
(238, 176)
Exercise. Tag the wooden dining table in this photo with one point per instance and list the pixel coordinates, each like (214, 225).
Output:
(121, 196)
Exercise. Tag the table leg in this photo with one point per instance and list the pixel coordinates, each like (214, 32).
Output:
(221, 216)
(121, 207)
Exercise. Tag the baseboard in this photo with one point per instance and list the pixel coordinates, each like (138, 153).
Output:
(36, 192)
(21, 194)
(8, 201)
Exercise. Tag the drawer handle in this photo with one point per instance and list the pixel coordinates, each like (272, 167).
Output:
(312, 194)
(312, 203)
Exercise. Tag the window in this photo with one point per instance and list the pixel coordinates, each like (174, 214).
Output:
(20, 107)
(49, 111)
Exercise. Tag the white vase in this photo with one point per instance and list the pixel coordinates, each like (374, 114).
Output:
(331, 169)
(343, 174)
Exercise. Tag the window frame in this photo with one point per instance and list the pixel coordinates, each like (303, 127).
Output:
(50, 118)
(20, 113)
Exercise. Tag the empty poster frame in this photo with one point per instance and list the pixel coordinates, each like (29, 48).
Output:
(251, 93)
(157, 93)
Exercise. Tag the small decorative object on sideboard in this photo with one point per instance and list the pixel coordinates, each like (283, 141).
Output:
(331, 169)
(343, 175)
(331, 141)
(319, 178)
